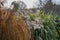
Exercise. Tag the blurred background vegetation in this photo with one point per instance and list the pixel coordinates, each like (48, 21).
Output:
(49, 29)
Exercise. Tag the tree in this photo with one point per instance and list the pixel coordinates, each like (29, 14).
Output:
(2, 3)
(40, 3)
(48, 6)
(18, 5)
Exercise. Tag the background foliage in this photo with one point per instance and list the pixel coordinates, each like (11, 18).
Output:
(50, 29)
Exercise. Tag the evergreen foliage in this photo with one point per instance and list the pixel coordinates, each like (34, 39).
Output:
(50, 29)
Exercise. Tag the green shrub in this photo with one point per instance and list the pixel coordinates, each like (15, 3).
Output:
(48, 32)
